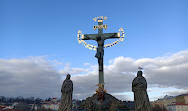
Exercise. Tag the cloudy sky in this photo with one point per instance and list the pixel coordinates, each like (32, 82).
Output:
(38, 47)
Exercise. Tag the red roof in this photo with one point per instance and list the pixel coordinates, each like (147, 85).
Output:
(2, 106)
(176, 103)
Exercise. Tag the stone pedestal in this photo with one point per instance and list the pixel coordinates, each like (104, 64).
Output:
(109, 104)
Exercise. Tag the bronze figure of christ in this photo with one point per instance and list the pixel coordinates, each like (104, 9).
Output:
(100, 38)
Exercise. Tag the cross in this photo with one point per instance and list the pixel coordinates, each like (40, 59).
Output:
(100, 38)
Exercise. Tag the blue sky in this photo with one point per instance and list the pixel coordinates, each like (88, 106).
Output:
(49, 28)
(45, 27)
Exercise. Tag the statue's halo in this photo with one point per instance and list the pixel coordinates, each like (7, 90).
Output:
(121, 35)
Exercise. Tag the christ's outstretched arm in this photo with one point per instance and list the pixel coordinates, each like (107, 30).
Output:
(110, 35)
(90, 36)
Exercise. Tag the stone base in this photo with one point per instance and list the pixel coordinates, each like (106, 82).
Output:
(109, 104)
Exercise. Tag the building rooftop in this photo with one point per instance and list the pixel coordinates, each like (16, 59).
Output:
(176, 103)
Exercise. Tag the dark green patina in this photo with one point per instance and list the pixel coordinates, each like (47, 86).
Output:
(100, 38)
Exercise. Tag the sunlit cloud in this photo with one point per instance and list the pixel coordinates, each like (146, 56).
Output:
(38, 77)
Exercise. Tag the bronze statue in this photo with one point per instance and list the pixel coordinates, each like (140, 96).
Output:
(100, 39)
(139, 87)
(66, 97)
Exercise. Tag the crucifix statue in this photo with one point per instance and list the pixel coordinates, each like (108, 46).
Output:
(100, 38)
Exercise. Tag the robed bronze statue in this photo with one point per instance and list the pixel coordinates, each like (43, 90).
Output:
(139, 87)
(66, 97)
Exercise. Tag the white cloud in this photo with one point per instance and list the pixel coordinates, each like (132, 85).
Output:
(163, 72)
(176, 92)
(28, 77)
(87, 64)
(36, 76)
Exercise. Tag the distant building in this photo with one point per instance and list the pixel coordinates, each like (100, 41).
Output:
(14, 104)
(53, 106)
(54, 100)
(186, 98)
(170, 101)
(177, 107)
(2, 107)
(182, 98)
(6, 108)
